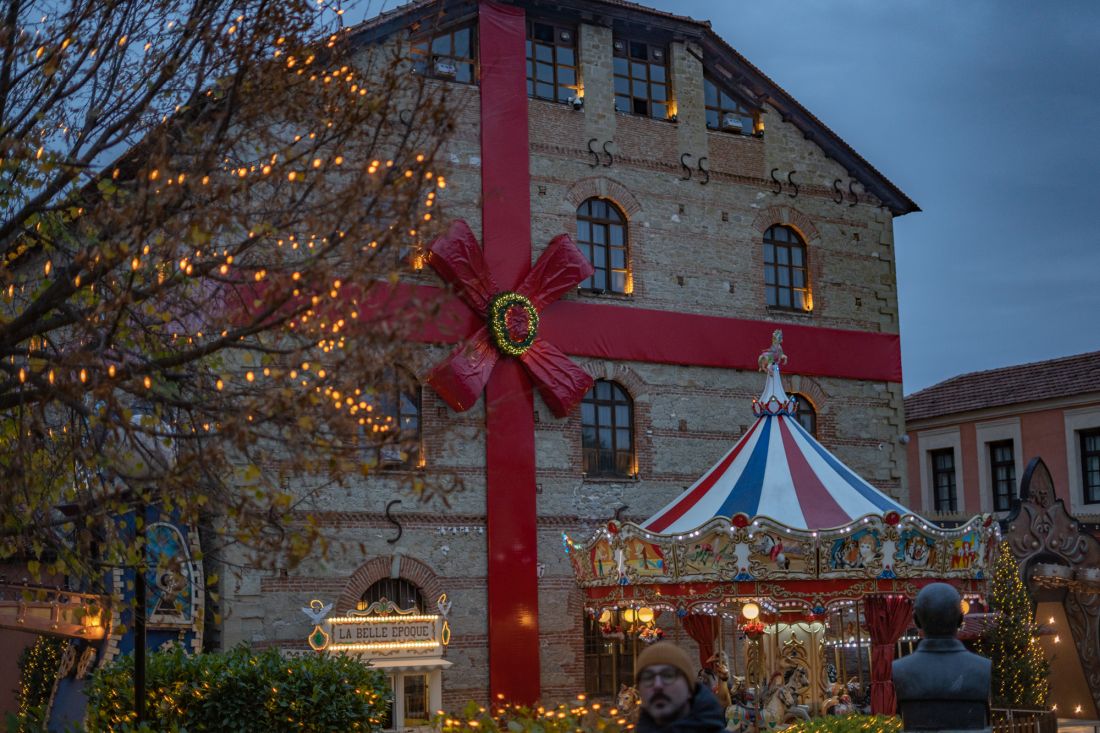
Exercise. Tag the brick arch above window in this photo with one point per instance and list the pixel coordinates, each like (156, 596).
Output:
(415, 571)
(809, 388)
(614, 372)
(787, 216)
(600, 187)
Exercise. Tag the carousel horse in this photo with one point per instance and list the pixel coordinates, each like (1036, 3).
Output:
(742, 715)
(781, 700)
(738, 688)
(839, 700)
(627, 700)
(720, 663)
(710, 679)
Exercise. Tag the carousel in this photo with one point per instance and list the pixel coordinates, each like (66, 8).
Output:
(814, 567)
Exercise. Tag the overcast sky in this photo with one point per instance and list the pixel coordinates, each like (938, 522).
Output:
(987, 114)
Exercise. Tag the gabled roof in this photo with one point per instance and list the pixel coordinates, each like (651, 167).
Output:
(1041, 380)
(735, 68)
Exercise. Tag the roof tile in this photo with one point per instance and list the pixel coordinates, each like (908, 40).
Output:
(1041, 380)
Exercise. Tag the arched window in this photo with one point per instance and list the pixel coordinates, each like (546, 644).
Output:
(806, 415)
(392, 427)
(398, 591)
(607, 431)
(601, 235)
(785, 280)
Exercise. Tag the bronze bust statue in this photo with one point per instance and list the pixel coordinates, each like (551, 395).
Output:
(941, 686)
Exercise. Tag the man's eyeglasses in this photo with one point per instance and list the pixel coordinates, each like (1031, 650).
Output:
(667, 677)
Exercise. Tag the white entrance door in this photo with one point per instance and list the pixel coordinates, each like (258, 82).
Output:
(417, 695)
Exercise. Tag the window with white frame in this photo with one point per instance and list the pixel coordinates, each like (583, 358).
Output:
(1090, 465)
(944, 497)
(1002, 474)
(941, 492)
(1082, 431)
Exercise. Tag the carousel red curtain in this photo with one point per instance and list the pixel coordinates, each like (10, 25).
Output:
(887, 617)
(703, 629)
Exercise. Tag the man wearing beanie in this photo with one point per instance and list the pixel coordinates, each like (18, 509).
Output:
(671, 700)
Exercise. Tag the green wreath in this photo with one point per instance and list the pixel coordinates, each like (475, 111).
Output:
(498, 323)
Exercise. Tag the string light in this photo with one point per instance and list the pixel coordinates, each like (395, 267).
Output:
(1019, 667)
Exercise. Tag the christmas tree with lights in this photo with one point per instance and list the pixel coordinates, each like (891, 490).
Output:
(1019, 668)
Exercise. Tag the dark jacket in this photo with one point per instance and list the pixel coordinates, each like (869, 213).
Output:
(942, 685)
(705, 715)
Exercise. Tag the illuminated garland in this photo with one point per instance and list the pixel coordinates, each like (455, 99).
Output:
(498, 323)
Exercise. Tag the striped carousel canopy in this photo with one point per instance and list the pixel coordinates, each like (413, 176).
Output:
(776, 470)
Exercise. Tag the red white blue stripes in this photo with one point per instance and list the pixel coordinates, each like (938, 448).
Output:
(776, 470)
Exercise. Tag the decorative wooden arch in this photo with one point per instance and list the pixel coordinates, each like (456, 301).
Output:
(1055, 552)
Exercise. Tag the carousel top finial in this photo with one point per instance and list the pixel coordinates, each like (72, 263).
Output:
(773, 400)
(773, 355)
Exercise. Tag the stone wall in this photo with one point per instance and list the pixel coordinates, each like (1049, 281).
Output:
(694, 246)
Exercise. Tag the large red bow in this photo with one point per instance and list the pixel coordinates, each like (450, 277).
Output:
(460, 378)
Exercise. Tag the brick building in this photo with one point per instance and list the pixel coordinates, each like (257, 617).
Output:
(714, 209)
(971, 436)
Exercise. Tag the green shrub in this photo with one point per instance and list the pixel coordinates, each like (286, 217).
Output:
(849, 724)
(241, 691)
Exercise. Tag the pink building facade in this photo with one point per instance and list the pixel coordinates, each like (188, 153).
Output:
(971, 436)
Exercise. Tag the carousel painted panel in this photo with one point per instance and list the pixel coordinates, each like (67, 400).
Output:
(711, 556)
(919, 552)
(626, 559)
(602, 564)
(968, 550)
(776, 552)
(863, 549)
(643, 559)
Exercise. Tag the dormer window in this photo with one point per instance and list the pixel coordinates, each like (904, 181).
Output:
(725, 112)
(449, 54)
(641, 78)
(551, 62)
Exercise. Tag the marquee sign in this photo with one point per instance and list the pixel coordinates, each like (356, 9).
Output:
(381, 630)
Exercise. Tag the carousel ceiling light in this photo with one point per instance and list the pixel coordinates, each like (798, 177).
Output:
(750, 611)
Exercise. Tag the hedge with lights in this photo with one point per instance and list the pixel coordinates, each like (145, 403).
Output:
(848, 724)
(38, 666)
(1019, 667)
(506, 718)
(241, 690)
